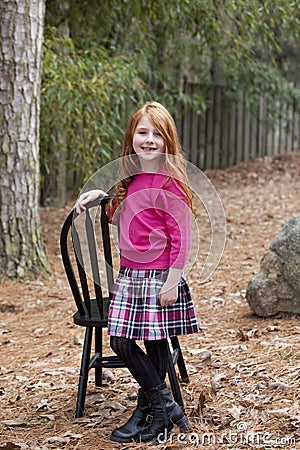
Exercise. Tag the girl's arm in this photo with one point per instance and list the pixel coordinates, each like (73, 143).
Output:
(178, 220)
(87, 197)
(169, 292)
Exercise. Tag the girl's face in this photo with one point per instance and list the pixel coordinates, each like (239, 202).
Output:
(148, 144)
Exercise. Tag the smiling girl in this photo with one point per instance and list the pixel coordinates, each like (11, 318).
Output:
(151, 299)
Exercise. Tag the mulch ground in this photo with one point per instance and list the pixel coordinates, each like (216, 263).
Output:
(243, 370)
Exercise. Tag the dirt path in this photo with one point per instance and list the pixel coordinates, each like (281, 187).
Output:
(245, 396)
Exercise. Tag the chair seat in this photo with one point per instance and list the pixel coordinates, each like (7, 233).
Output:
(93, 319)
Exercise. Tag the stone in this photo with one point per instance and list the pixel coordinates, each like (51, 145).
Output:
(276, 288)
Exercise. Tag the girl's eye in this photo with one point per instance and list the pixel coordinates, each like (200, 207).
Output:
(143, 132)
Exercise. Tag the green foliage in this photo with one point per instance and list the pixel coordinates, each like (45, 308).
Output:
(125, 52)
(176, 38)
(82, 100)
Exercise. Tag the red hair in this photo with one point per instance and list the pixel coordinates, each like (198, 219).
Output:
(176, 169)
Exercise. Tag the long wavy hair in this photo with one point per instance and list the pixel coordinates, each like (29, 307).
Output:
(173, 160)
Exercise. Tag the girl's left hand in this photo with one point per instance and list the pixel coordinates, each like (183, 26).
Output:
(87, 197)
(168, 294)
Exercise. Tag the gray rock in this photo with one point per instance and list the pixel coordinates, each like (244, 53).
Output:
(276, 289)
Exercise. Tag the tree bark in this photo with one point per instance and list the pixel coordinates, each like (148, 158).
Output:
(22, 253)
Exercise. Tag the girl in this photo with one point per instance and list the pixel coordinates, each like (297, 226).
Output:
(151, 299)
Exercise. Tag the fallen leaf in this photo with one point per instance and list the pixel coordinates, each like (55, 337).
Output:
(205, 357)
(9, 446)
(108, 376)
(77, 340)
(201, 403)
(280, 412)
(57, 440)
(50, 417)
(214, 382)
(18, 422)
(279, 386)
(242, 336)
(72, 435)
(235, 411)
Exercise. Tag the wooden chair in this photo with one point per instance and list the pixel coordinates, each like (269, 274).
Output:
(87, 283)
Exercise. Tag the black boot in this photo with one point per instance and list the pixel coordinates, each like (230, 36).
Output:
(140, 419)
(165, 411)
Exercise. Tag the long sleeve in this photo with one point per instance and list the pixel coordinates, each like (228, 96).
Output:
(178, 224)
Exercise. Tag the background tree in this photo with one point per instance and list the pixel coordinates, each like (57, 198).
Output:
(21, 31)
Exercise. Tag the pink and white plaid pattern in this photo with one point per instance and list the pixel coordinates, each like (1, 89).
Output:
(135, 311)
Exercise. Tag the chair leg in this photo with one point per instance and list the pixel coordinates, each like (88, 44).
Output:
(180, 361)
(174, 380)
(98, 350)
(84, 372)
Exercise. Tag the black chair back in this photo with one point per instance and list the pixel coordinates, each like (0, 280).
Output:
(92, 305)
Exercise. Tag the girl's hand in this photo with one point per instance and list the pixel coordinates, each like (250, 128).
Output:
(168, 295)
(169, 292)
(87, 197)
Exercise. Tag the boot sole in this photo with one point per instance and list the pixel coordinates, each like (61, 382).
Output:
(121, 440)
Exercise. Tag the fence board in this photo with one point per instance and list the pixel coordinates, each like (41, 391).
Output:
(289, 134)
(247, 119)
(282, 130)
(239, 132)
(217, 126)
(232, 136)
(276, 135)
(194, 140)
(229, 133)
(224, 146)
(296, 131)
(202, 141)
(209, 134)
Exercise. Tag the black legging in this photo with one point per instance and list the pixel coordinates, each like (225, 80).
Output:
(149, 369)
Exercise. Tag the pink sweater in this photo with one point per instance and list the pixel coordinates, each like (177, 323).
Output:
(155, 228)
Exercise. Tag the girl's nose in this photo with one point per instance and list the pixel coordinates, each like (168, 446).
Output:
(150, 137)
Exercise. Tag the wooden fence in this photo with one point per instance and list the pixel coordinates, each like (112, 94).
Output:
(228, 133)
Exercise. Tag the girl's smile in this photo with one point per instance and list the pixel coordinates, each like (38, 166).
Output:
(148, 144)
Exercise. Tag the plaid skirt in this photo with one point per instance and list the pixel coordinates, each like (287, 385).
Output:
(135, 311)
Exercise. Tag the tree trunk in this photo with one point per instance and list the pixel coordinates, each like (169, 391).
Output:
(22, 253)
